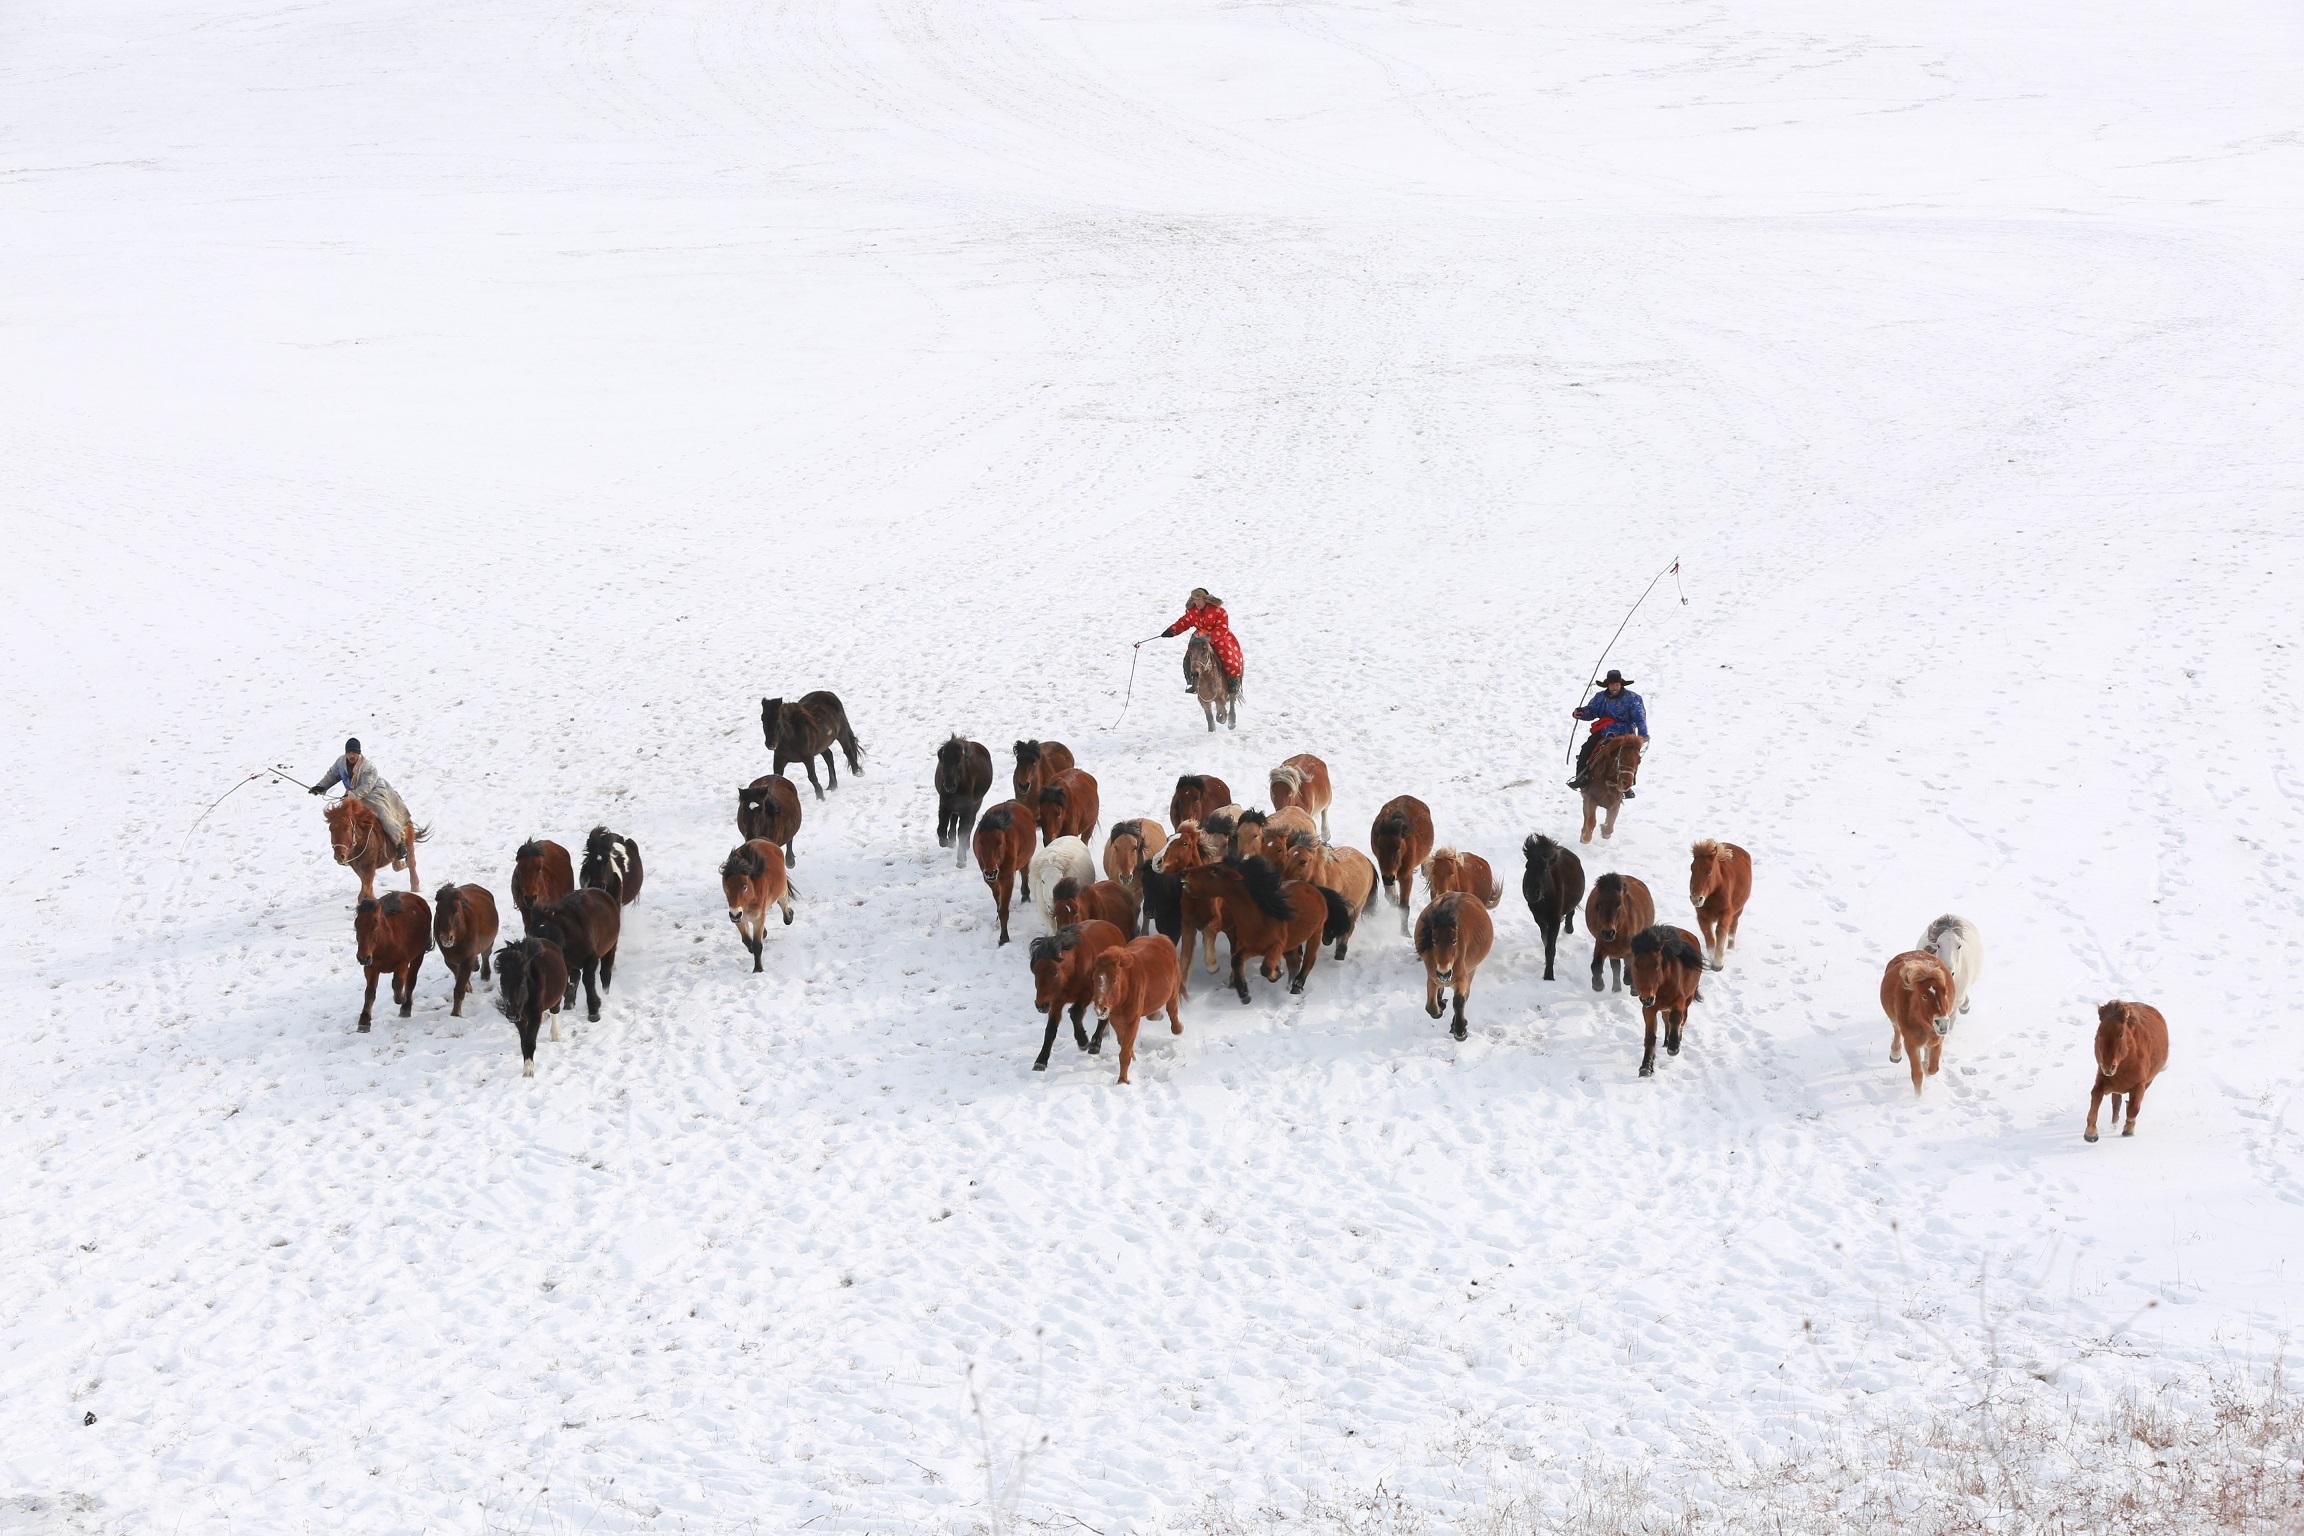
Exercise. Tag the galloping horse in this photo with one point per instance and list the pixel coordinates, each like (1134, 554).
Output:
(612, 864)
(1068, 806)
(464, 926)
(541, 874)
(2131, 1048)
(1552, 885)
(1449, 869)
(1619, 908)
(963, 779)
(1302, 780)
(1916, 993)
(391, 937)
(1128, 846)
(752, 879)
(1037, 764)
(1106, 901)
(360, 842)
(1270, 917)
(1003, 846)
(532, 976)
(1667, 967)
(1615, 768)
(1401, 839)
(1348, 872)
(768, 808)
(1063, 974)
(585, 924)
(1453, 936)
(1130, 983)
(806, 729)
(1219, 697)
(1719, 883)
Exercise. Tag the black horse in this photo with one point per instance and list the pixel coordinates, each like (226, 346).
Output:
(532, 975)
(586, 926)
(1554, 888)
(800, 731)
(963, 779)
(612, 864)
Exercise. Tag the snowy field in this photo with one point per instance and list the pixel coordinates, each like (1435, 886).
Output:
(530, 387)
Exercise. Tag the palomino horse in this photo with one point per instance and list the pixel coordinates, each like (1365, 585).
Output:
(1667, 968)
(464, 926)
(541, 874)
(2131, 1048)
(802, 730)
(1270, 917)
(1003, 846)
(1453, 936)
(1129, 846)
(1615, 768)
(1037, 764)
(1450, 869)
(1719, 883)
(1130, 983)
(1401, 839)
(752, 879)
(1619, 908)
(1105, 901)
(585, 924)
(1067, 806)
(1197, 795)
(1063, 973)
(531, 977)
(1219, 695)
(1552, 885)
(611, 864)
(391, 937)
(1302, 781)
(963, 779)
(1281, 828)
(1917, 995)
(360, 842)
(769, 808)
(1348, 872)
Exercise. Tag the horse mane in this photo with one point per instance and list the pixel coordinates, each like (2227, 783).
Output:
(1263, 883)
(1610, 885)
(1392, 823)
(445, 899)
(1287, 777)
(1222, 820)
(1133, 831)
(1067, 889)
(1437, 926)
(1045, 949)
(1251, 818)
(1027, 753)
(999, 817)
(1298, 840)
(1537, 847)
(531, 849)
(745, 861)
(1709, 848)
(951, 750)
(595, 837)
(1052, 795)
(512, 977)
(365, 907)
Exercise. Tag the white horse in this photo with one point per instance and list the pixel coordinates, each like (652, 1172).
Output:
(1954, 941)
(1067, 858)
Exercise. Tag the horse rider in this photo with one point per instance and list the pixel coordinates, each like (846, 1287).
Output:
(1615, 711)
(1205, 613)
(363, 783)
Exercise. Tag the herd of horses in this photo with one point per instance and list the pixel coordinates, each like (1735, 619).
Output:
(1120, 934)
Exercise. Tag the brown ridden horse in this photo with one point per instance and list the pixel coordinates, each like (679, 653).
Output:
(1106, 901)
(808, 728)
(1916, 994)
(1128, 846)
(1197, 795)
(358, 840)
(1449, 869)
(541, 875)
(1067, 806)
(1719, 883)
(392, 934)
(1615, 768)
(1401, 839)
(1282, 827)
(1667, 969)
(464, 926)
(1269, 917)
(611, 864)
(1130, 983)
(1453, 936)
(1003, 845)
(2131, 1049)
(1219, 696)
(1348, 872)
(531, 976)
(1619, 908)
(768, 808)
(1037, 764)
(1552, 885)
(752, 878)
(963, 779)
(1302, 781)
(585, 924)
(1063, 969)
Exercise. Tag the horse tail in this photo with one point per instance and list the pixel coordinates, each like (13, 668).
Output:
(849, 744)
(1341, 917)
(417, 834)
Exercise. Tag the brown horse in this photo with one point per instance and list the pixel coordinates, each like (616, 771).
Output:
(1129, 846)
(1219, 695)
(963, 779)
(391, 935)
(359, 841)
(1302, 781)
(1453, 936)
(531, 976)
(1283, 825)
(1916, 994)
(1615, 768)
(1244, 837)
(1552, 885)
(1067, 806)
(768, 808)
(611, 864)
(1401, 839)
(1003, 846)
(1037, 764)
(805, 729)
(1197, 795)
(2131, 1049)
(464, 926)
(1106, 901)
(1269, 917)
(1131, 983)
(1449, 869)
(752, 878)
(1161, 878)
(541, 875)
(1619, 908)
(1063, 973)
(1667, 969)
(1719, 883)
(585, 924)
(1348, 872)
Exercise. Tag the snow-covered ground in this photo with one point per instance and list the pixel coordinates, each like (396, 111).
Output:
(528, 388)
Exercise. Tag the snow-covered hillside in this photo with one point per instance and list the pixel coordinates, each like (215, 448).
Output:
(529, 388)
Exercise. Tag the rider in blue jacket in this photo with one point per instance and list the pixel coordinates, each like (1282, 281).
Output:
(1615, 711)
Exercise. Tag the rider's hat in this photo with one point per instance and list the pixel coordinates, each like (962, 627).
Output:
(1202, 595)
(351, 746)
(1615, 676)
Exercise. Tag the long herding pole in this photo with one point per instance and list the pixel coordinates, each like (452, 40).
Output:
(1670, 570)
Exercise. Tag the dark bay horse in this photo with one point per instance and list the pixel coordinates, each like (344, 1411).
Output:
(585, 924)
(1068, 806)
(963, 779)
(541, 874)
(1553, 886)
(1037, 764)
(1197, 795)
(1270, 917)
(768, 809)
(1063, 972)
(1667, 969)
(1003, 846)
(752, 879)
(804, 729)
(532, 978)
(1619, 909)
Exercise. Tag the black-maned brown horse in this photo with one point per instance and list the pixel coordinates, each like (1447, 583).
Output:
(1197, 796)
(753, 879)
(1615, 768)
(802, 730)
(391, 935)
(1037, 764)
(1003, 844)
(768, 808)
(464, 926)
(1453, 935)
(1401, 840)
(1068, 806)
(1063, 971)
(1619, 908)
(1667, 969)
(1273, 918)
(541, 874)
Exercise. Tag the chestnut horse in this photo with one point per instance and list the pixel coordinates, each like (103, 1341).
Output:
(391, 935)
(1037, 764)
(1269, 917)
(805, 729)
(1453, 936)
(585, 924)
(1106, 901)
(1401, 839)
(1451, 870)
(1063, 970)
(359, 841)
(768, 808)
(1244, 838)
(611, 864)
(1553, 886)
(1615, 768)
(1282, 826)
(1129, 846)
(2131, 1049)
(1003, 846)
(963, 779)
(1130, 983)
(753, 879)
(541, 874)
(1917, 995)
(531, 978)
(1619, 908)
(1348, 872)
(1196, 795)
(1067, 806)
(1667, 969)
(1302, 781)
(1719, 883)
(1219, 695)
(464, 926)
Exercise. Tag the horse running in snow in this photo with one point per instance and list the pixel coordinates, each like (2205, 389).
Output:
(1955, 941)
(1617, 910)
(802, 730)
(1063, 973)
(611, 864)
(391, 936)
(1401, 839)
(1003, 846)
(1453, 936)
(1719, 883)
(1302, 781)
(1449, 869)
(1197, 795)
(531, 978)
(1917, 995)
(464, 926)
(1067, 858)
(963, 779)
(1553, 886)
(1667, 970)
(768, 808)
(2131, 1050)
(358, 841)
(1037, 764)
(585, 924)
(541, 874)
(1130, 983)
(1129, 846)
(753, 879)
(1615, 768)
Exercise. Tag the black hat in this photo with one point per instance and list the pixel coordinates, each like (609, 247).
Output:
(351, 745)
(1615, 676)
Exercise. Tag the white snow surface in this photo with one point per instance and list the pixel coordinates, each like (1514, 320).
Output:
(529, 388)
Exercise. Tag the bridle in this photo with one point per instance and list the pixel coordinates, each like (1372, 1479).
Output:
(368, 829)
(1619, 772)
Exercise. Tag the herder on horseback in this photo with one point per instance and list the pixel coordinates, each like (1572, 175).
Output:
(1205, 613)
(1615, 711)
(363, 783)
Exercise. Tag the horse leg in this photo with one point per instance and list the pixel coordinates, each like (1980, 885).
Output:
(368, 1003)
(831, 768)
(1000, 899)
(1407, 894)
(1551, 932)
(592, 991)
(1125, 1028)
(1079, 1035)
(1184, 960)
(1935, 1055)
(1208, 710)
(792, 857)
(1591, 814)
(484, 972)
(1672, 1026)
(407, 986)
(1175, 1019)
(1648, 1049)
(1598, 960)
(1895, 1042)
(808, 763)
(460, 975)
(2135, 1103)
(1457, 1026)
(1431, 992)
(1608, 828)
(1240, 972)
(1048, 1041)
(608, 967)
(1615, 973)
(1305, 956)
(752, 942)
(1914, 1054)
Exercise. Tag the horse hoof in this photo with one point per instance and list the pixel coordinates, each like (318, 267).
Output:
(1647, 1069)
(1431, 1012)
(2129, 1132)
(2090, 1136)
(1460, 1032)
(1040, 1066)
(593, 1017)
(363, 1026)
